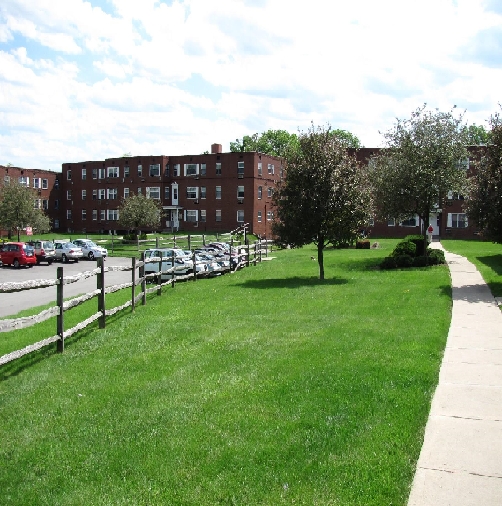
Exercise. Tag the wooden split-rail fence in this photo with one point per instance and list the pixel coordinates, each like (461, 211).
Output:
(248, 255)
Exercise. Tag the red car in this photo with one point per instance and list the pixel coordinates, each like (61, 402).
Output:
(17, 254)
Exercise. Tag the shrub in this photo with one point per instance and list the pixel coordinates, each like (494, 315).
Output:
(363, 244)
(418, 241)
(404, 248)
(420, 261)
(134, 237)
(436, 257)
(404, 261)
(388, 263)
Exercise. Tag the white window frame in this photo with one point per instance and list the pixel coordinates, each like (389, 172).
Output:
(112, 172)
(191, 215)
(260, 192)
(192, 192)
(240, 216)
(84, 194)
(126, 193)
(191, 169)
(45, 184)
(155, 170)
(259, 217)
(452, 220)
(271, 168)
(218, 192)
(217, 215)
(153, 192)
(260, 168)
(84, 174)
(112, 193)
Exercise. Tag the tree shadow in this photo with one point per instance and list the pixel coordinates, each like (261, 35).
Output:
(291, 283)
(494, 262)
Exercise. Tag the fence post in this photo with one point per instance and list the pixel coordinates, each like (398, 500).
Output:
(101, 296)
(133, 294)
(255, 253)
(143, 279)
(189, 242)
(157, 242)
(60, 318)
(247, 258)
(260, 251)
(266, 247)
(194, 267)
(203, 240)
(159, 287)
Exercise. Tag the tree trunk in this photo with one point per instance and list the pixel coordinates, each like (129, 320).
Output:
(320, 259)
(426, 221)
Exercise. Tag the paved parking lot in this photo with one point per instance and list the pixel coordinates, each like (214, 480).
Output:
(12, 303)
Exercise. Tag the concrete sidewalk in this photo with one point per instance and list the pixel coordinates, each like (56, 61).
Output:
(461, 459)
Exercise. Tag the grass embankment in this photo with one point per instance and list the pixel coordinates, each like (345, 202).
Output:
(263, 387)
(486, 256)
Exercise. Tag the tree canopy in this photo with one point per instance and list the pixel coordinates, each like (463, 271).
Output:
(138, 212)
(325, 196)
(17, 209)
(477, 135)
(280, 142)
(484, 202)
(420, 165)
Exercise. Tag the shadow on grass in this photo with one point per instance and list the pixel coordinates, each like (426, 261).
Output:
(295, 282)
(494, 262)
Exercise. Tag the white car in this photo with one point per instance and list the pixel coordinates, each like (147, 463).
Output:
(66, 251)
(90, 249)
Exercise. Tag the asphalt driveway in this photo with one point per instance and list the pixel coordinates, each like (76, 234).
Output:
(12, 303)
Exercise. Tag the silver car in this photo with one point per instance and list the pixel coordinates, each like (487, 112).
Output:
(66, 251)
(90, 249)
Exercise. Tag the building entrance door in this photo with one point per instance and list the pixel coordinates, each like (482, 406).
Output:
(433, 220)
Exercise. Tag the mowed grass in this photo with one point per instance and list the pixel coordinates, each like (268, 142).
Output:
(486, 256)
(263, 387)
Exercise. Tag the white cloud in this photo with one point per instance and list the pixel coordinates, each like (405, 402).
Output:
(89, 79)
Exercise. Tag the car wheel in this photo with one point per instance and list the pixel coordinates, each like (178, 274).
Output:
(90, 255)
(16, 263)
(64, 258)
(76, 260)
(38, 261)
(49, 262)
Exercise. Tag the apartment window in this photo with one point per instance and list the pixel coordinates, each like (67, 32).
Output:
(139, 191)
(191, 192)
(281, 172)
(68, 175)
(240, 192)
(94, 173)
(36, 183)
(240, 169)
(94, 194)
(176, 169)
(166, 172)
(126, 193)
(84, 214)
(175, 192)
(202, 192)
(218, 168)
(202, 170)
(166, 193)
(37, 204)
(155, 170)
(68, 214)
(113, 214)
(270, 168)
(56, 223)
(112, 193)
(153, 192)
(270, 192)
(56, 204)
(203, 215)
(240, 216)
(391, 222)
(218, 193)
(191, 215)
(94, 215)
(45, 204)
(84, 194)
(113, 171)
(410, 222)
(68, 195)
(270, 215)
(457, 220)
(191, 169)
(259, 216)
(126, 171)
(84, 174)
(140, 170)
(260, 168)
(102, 215)
(6, 179)
(463, 164)
(259, 192)
(24, 181)
(56, 184)
(101, 194)
(101, 173)
(218, 214)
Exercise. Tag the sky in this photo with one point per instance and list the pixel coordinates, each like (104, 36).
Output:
(85, 80)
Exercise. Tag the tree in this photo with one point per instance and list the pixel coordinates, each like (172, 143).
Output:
(325, 194)
(139, 212)
(17, 209)
(420, 165)
(271, 142)
(484, 202)
(346, 138)
(477, 135)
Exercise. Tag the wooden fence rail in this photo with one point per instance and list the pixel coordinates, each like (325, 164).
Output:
(247, 255)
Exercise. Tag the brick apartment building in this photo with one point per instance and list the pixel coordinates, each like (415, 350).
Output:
(211, 192)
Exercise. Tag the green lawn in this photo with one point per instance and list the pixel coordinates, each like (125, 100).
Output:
(486, 256)
(263, 387)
